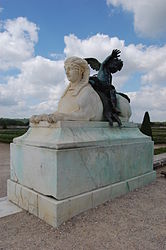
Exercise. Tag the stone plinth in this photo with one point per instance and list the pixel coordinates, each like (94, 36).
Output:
(55, 212)
(69, 161)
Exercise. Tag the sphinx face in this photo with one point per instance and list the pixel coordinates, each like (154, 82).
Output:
(73, 73)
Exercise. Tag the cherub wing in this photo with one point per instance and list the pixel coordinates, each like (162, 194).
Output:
(94, 63)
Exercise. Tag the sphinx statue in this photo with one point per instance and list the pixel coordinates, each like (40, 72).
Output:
(68, 162)
(81, 101)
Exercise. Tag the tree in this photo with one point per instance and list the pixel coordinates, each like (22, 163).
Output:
(146, 125)
(4, 124)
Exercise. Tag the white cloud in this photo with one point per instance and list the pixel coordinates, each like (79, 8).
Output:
(149, 62)
(17, 40)
(41, 81)
(92, 46)
(151, 99)
(149, 15)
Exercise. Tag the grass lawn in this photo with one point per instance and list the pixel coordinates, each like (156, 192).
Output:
(7, 135)
(159, 135)
(158, 151)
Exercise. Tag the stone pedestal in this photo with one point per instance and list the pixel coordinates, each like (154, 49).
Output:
(60, 170)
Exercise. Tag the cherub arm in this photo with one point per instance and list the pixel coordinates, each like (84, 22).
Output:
(115, 54)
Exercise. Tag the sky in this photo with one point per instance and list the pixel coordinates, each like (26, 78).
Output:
(36, 36)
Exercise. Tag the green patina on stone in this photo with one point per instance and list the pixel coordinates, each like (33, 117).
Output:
(71, 158)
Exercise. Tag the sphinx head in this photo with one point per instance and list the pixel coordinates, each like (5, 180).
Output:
(77, 70)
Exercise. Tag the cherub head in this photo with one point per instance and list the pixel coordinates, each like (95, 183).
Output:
(77, 70)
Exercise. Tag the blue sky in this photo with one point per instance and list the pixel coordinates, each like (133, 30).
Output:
(83, 18)
(56, 19)
(36, 36)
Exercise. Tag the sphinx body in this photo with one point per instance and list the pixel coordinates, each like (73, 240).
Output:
(124, 107)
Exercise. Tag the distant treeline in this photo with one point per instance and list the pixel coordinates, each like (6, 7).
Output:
(155, 124)
(158, 124)
(7, 122)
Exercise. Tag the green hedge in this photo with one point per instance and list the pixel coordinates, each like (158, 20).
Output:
(158, 151)
(7, 135)
(4, 122)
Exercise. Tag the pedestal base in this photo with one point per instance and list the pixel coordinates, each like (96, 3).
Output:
(79, 164)
(72, 158)
(56, 212)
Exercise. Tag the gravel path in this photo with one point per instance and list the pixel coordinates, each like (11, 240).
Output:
(136, 221)
(159, 145)
(4, 167)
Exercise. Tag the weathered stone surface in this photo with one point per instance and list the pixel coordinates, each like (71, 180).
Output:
(79, 164)
(76, 157)
(56, 212)
(22, 196)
